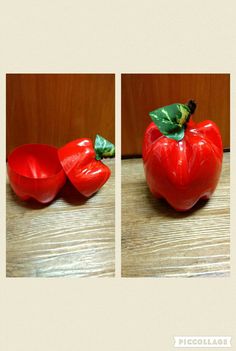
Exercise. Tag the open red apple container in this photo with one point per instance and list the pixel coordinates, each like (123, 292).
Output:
(39, 171)
(34, 171)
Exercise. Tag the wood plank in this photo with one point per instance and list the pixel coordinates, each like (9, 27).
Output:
(142, 93)
(72, 237)
(157, 241)
(57, 108)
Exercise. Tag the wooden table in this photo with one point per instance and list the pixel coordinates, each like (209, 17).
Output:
(71, 237)
(160, 242)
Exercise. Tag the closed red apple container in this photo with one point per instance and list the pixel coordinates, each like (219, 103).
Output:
(182, 159)
(34, 171)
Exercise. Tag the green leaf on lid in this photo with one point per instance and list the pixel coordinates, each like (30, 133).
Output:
(103, 148)
(171, 120)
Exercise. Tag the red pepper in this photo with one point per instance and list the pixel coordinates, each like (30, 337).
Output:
(182, 159)
(34, 171)
(81, 162)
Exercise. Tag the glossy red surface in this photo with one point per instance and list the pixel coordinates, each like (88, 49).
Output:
(183, 171)
(34, 171)
(86, 173)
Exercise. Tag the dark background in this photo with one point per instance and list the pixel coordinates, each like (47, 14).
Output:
(142, 93)
(58, 108)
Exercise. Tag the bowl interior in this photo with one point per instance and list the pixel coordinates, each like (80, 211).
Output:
(35, 161)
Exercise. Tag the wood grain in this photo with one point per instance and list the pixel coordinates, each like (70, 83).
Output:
(160, 242)
(72, 237)
(57, 108)
(142, 93)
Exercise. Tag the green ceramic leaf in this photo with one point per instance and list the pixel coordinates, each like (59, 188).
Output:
(103, 148)
(171, 119)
